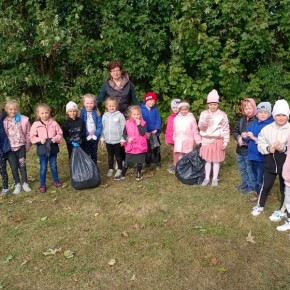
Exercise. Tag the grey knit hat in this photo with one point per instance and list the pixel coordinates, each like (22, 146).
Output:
(264, 107)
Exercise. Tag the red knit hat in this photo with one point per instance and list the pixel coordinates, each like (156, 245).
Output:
(150, 96)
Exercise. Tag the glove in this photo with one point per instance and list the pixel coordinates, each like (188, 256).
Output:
(17, 117)
(75, 144)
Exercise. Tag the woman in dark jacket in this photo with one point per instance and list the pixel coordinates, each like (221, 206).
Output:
(118, 86)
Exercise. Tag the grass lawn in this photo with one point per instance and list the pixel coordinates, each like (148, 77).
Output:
(153, 234)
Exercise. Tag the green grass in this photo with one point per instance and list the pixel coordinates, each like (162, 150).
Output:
(163, 234)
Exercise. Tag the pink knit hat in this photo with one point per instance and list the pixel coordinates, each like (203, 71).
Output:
(213, 97)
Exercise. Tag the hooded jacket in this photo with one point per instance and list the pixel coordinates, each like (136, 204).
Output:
(152, 118)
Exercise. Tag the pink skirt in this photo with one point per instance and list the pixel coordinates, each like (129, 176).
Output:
(213, 152)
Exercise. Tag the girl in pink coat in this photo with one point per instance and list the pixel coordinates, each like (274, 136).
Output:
(185, 131)
(46, 134)
(215, 133)
(169, 133)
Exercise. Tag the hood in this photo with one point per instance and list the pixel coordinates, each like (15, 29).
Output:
(253, 103)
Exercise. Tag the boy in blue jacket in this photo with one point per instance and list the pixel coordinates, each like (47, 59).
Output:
(256, 159)
(153, 128)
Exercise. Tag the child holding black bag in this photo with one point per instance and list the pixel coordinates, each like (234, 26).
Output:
(46, 134)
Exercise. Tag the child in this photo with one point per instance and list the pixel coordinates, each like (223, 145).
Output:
(185, 131)
(152, 118)
(74, 128)
(272, 143)
(4, 149)
(46, 134)
(286, 176)
(248, 107)
(169, 133)
(113, 122)
(215, 134)
(255, 158)
(135, 142)
(18, 135)
(92, 118)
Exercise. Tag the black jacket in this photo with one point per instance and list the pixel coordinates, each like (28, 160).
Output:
(74, 130)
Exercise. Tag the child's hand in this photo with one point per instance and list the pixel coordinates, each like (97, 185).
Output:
(148, 135)
(278, 145)
(138, 121)
(240, 141)
(272, 149)
(154, 132)
(224, 147)
(250, 135)
(123, 143)
(244, 135)
(42, 141)
(130, 139)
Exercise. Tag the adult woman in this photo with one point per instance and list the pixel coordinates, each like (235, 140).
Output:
(118, 86)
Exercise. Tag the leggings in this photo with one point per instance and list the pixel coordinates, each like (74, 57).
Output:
(3, 171)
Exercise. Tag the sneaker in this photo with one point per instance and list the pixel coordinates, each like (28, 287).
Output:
(215, 182)
(171, 169)
(120, 177)
(241, 186)
(138, 177)
(118, 172)
(4, 191)
(205, 182)
(57, 184)
(254, 199)
(26, 187)
(94, 137)
(277, 216)
(89, 138)
(257, 210)
(284, 227)
(110, 172)
(42, 189)
(17, 188)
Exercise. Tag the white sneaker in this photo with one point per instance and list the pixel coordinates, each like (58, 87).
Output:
(284, 227)
(110, 172)
(4, 191)
(257, 210)
(277, 216)
(205, 182)
(118, 172)
(26, 187)
(94, 137)
(17, 188)
(215, 182)
(89, 138)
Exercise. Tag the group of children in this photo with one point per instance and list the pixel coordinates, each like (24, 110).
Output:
(262, 137)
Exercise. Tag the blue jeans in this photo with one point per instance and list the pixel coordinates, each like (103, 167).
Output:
(43, 160)
(246, 171)
(258, 173)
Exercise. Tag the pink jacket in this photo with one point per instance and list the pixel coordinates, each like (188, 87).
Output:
(43, 130)
(139, 144)
(185, 133)
(214, 125)
(169, 129)
(25, 126)
(286, 167)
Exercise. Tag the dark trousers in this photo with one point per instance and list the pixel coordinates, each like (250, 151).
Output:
(126, 165)
(269, 179)
(3, 170)
(114, 150)
(91, 148)
(17, 161)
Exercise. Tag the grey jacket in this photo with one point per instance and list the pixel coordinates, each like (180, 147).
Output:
(113, 126)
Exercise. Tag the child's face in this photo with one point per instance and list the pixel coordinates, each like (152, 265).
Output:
(213, 107)
(11, 111)
(183, 111)
(150, 103)
(262, 116)
(136, 115)
(174, 110)
(281, 119)
(43, 114)
(248, 109)
(111, 106)
(72, 113)
(89, 104)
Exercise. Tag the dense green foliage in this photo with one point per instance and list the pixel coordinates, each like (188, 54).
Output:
(54, 51)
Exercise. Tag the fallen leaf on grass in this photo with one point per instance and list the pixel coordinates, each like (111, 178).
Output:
(30, 201)
(51, 252)
(53, 191)
(119, 201)
(133, 278)
(112, 262)
(11, 201)
(25, 262)
(199, 228)
(68, 254)
(250, 238)
(64, 185)
(125, 234)
(96, 214)
(17, 219)
(67, 208)
(214, 261)
(138, 226)
(43, 219)
(221, 269)
(55, 200)
(8, 259)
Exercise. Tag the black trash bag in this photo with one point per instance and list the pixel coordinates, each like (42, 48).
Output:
(154, 143)
(83, 171)
(190, 168)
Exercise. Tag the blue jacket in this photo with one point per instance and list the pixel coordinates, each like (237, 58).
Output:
(97, 120)
(4, 141)
(152, 118)
(255, 127)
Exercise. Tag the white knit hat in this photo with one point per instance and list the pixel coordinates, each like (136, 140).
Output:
(71, 106)
(213, 97)
(281, 107)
